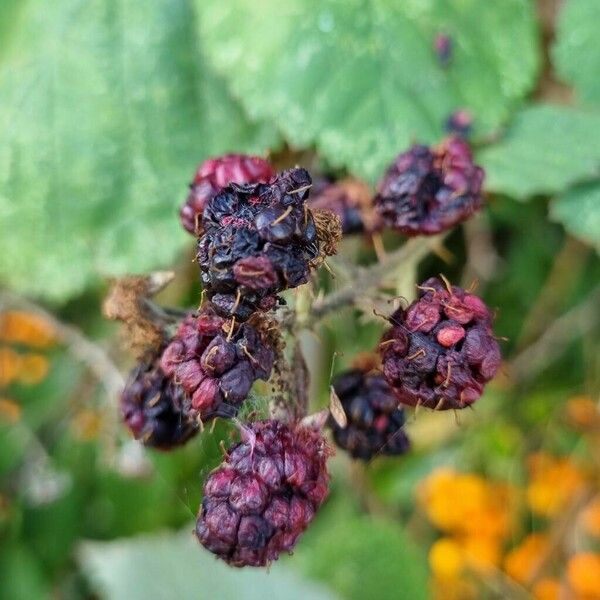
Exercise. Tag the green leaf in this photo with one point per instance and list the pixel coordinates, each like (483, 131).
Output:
(545, 150)
(579, 211)
(175, 566)
(362, 557)
(577, 50)
(105, 110)
(360, 78)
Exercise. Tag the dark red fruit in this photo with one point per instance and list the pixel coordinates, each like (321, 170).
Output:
(428, 190)
(441, 351)
(265, 493)
(216, 368)
(213, 175)
(152, 408)
(375, 423)
(259, 239)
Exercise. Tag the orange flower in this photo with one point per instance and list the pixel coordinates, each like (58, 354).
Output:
(481, 552)
(583, 572)
(521, 562)
(591, 517)
(583, 412)
(553, 482)
(546, 589)
(10, 365)
(466, 504)
(21, 327)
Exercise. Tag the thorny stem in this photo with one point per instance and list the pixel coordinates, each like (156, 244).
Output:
(368, 278)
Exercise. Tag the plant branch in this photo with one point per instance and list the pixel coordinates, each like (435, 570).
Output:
(83, 349)
(581, 319)
(371, 277)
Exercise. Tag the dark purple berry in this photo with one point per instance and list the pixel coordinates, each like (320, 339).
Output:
(428, 190)
(213, 175)
(258, 240)
(216, 367)
(441, 350)
(375, 423)
(262, 497)
(152, 408)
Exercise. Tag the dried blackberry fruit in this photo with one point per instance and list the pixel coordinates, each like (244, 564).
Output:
(259, 239)
(212, 176)
(152, 408)
(262, 497)
(428, 190)
(375, 423)
(216, 362)
(351, 201)
(441, 351)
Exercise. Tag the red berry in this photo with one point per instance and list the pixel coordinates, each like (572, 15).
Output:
(428, 190)
(216, 369)
(213, 175)
(441, 350)
(265, 493)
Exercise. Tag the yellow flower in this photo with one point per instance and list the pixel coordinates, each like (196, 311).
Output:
(553, 482)
(583, 572)
(34, 368)
(582, 412)
(10, 411)
(446, 559)
(546, 589)
(481, 552)
(464, 503)
(521, 562)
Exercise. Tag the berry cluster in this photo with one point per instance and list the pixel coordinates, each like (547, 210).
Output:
(212, 176)
(375, 423)
(262, 497)
(259, 239)
(152, 406)
(428, 190)
(440, 351)
(216, 362)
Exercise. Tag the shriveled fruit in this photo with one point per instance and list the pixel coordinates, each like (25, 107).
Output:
(428, 190)
(440, 351)
(212, 176)
(375, 423)
(152, 407)
(266, 492)
(216, 361)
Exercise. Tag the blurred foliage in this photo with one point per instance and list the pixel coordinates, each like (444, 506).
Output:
(105, 109)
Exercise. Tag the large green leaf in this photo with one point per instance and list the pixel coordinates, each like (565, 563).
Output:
(577, 50)
(105, 109)
(545, 150)
(360, 78)
(175, 566)
(579, 211)
(361, 557)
